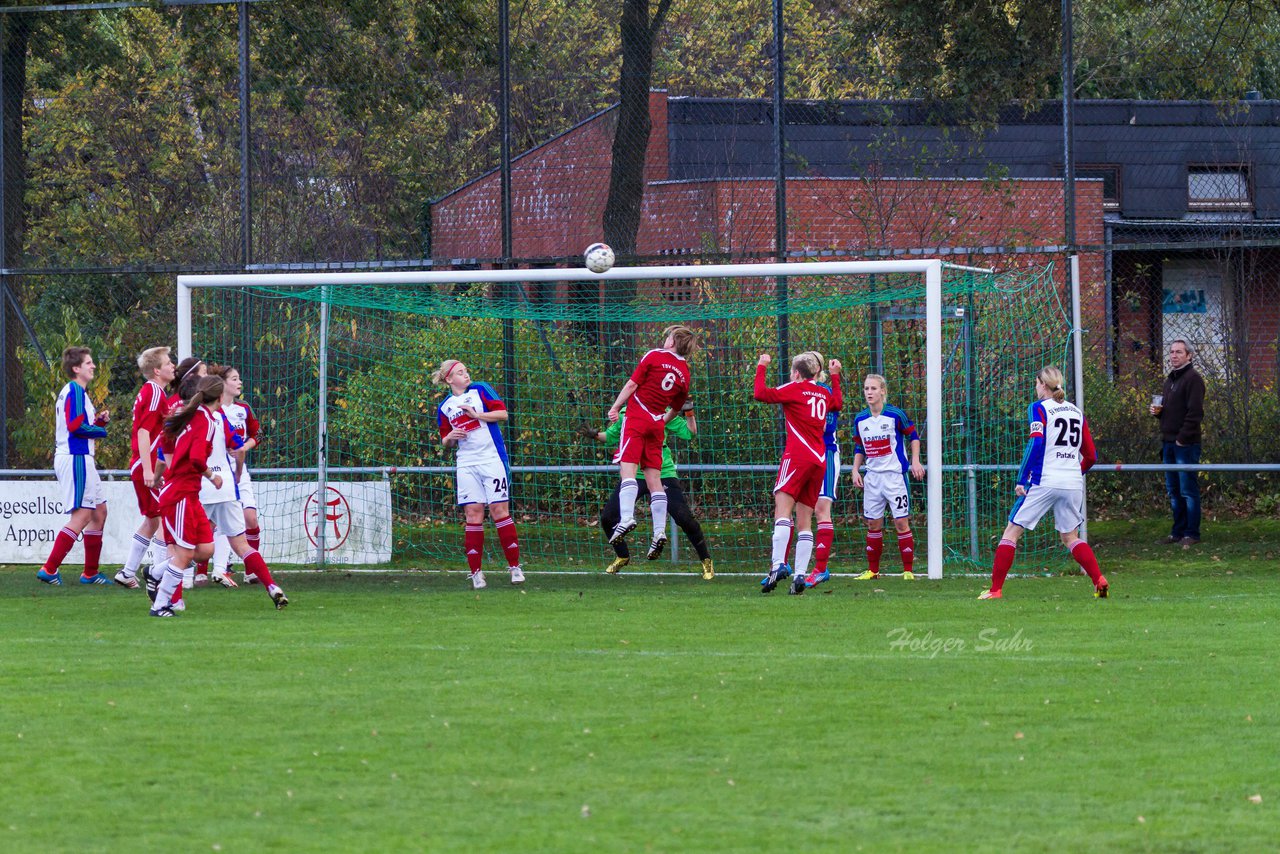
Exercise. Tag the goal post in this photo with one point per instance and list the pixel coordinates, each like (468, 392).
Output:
(732, 297)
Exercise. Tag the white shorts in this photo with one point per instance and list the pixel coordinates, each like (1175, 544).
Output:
(227, 517)
(831, 483)
(245, 485)
(883, 490)
(78, 476)
(486, 483)
(1067, 506)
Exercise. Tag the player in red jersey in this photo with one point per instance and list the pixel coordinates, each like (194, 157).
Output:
(803, 468)
(188, 373)
(653, 396)
(186, 527)
(150, 407)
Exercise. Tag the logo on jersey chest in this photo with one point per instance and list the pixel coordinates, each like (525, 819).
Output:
(877, 446)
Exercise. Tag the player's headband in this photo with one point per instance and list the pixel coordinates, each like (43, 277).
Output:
(448, 368)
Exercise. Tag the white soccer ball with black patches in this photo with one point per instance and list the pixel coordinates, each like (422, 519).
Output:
(598, 257)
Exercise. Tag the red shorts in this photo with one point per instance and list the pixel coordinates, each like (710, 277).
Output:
(641, 441)
(801, 478)
(185, 524)
(148, 498)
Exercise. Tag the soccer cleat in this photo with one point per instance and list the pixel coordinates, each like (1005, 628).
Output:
(708, 570)
(867, 576)
(621, 530)
(201, 579)
(797, 586)
(152, 584)
(1103, 589)
(813, 579)
(517, 575)
(250, 578)
(223, 579)
(163, 612)
(129, 581)
(775, 575)
(53, 578)
(990, 594)
(477, 580)
(908, 575)
(617, 565)
(278, 597)
(96, 578)
(656, 546)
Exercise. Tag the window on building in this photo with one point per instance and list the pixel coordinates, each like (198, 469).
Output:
(1218, 188)
(1110, 176)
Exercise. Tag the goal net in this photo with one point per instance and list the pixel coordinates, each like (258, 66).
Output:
(351, 469)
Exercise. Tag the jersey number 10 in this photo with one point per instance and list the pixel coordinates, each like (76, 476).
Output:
(818, 408)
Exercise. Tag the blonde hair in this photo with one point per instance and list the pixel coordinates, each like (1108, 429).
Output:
(685, 340)
(149, 360)
(884, 384)
(821, 375)
(1052, 379)
(444, 370)
(807, 365)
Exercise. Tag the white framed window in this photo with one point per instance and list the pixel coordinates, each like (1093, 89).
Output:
(1219, 188)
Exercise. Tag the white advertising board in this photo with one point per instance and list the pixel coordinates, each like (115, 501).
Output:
(356, 519)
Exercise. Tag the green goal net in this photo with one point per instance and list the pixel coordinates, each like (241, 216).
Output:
(338, 371)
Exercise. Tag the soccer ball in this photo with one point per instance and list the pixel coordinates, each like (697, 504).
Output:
(598, 257)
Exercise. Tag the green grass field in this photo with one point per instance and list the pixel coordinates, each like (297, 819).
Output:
(583, 713)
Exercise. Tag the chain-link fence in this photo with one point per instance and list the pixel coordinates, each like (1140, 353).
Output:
(145, 139)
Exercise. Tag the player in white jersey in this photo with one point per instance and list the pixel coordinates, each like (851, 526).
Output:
(1051, 478)
(247, 429)
(222, 502)
(468, 420)
(881, 436)
(77, 427)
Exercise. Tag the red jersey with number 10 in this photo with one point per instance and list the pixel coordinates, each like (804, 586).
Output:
(662, 383)
(149, 410)
(804, 408)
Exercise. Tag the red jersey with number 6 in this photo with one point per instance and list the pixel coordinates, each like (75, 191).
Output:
(662, 383)
(804, 407)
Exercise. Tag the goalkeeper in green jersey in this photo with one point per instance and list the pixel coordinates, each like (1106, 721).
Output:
(682, 428)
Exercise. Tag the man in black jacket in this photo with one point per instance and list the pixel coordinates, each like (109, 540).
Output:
(1180, 412)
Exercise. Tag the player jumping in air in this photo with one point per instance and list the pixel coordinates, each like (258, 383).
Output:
(1059, 452)
(77, 428)
(879, 434)
(826, 534)
(653, 396)
(149, 410)
(803, 468)
(682, 428)
(468, 419)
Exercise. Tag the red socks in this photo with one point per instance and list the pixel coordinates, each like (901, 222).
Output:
(92, 552)
(254, 563)
(61, 545)
(907, 546)
(875, 545)
(507, 536)
(822, 546)
(473, 544)
(1004, 560)
(1083, 555)
(254, 537)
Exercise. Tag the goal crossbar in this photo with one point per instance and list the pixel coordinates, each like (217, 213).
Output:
(931, 269)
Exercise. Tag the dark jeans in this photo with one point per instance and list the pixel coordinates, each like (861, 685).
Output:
(1183, 488)
(677, 508)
